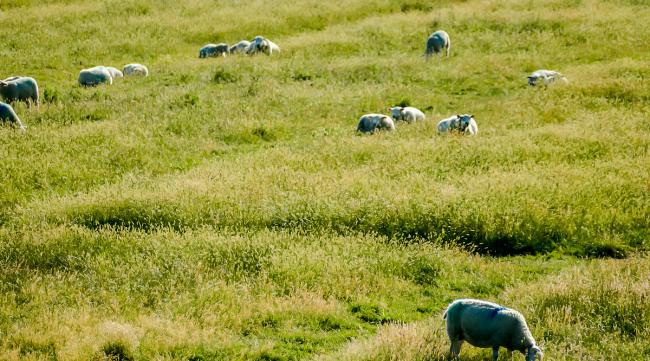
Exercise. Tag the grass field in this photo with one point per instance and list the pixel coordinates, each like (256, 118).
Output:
(225, 209)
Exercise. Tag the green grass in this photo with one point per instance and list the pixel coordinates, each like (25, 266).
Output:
(226, 209)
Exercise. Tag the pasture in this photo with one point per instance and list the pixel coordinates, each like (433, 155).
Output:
(225, 209)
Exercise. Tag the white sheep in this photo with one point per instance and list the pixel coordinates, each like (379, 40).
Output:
(7, 113)
(546, 77)
(464, 123)
(95, 76)
(214, 50)
(436, 42)
(135, 69)
(115, 73)
(19, 88)
(371, 123)
(486, 324)
(240, 47)
(260, 44)
(408, 114)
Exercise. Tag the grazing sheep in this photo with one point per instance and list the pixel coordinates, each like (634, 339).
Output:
(135, 69)
(240, 47)
(269, 47)
(371, 123)
(546, 77)
(464, 123)
(436, 42)
(214, 50)
(95, 76)
(7, 113)
(115, 73)
(262, 45)
(19, 88)
(408, 114)
(485, 324)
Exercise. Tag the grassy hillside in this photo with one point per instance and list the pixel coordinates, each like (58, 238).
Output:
(226, 209)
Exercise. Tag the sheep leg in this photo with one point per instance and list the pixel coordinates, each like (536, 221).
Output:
(510, 355)
(495, 353)
(454, 350)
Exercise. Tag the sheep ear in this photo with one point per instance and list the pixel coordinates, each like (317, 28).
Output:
(457, 116)
(471, 116)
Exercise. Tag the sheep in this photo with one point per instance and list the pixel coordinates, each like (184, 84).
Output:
(486, 324)
(371, 123)
(95, 76)
(547, 77)
(214, 50)
(115, 73)
(464, 123)
(19, 88)
(135, 69)
(269, 47)
(240, 47)
(408, 114)
(436, 42)
(262, 45)
(7, 113)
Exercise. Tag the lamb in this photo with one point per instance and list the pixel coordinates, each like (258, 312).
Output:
(546, 77)
(408, 114)
(240, 47)
(371, 123)
(214, 50)
(255, 45)
(135, 69)
(436, 42)
(262, 45)
(464, 123)
(7, 113)
(19, 88)
(269, 47)
(95, 76)
(115, 73)
(486, 324)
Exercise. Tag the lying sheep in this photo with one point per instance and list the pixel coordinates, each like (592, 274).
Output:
(19, 88)
(7, 113)
(268, 47)
(436, 42)
(464, 123)
(95, 76)
(408, 114)
(371, 123)
(214, 50)
(485, 324)
(135, 69)
(546, 77)
(240, 47)
(259, 44)
(115, 73)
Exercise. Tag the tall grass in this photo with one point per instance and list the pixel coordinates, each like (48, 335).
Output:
(225, 208)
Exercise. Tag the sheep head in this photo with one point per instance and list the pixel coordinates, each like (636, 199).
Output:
(396, 112)
(533, 353)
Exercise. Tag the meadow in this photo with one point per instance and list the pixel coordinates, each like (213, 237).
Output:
(225, 209)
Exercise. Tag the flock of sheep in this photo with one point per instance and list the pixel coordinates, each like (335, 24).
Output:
(25, 88)
(21, 88)
(259, 44)
(480, 323)
(461, 123)
(107, 74)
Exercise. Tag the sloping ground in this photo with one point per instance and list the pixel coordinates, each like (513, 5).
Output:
(589, 312)
(225, 209)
